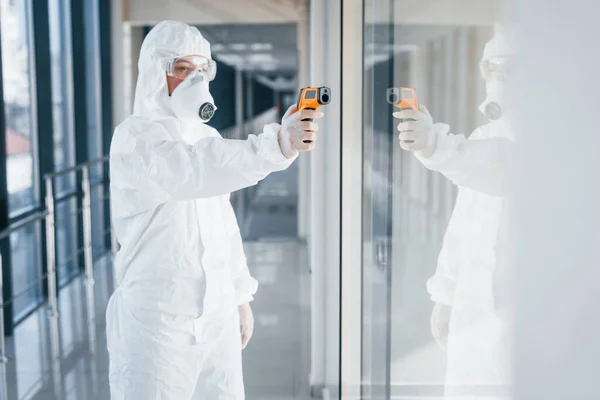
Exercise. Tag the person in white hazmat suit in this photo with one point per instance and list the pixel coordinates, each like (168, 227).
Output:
(180, 315)
(465, 320)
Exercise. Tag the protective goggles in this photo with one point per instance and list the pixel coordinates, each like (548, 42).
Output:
(495, 67)
(190, 66)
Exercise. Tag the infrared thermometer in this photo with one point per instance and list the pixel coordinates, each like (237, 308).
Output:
(311, 98)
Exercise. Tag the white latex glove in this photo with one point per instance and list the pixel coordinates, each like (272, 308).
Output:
(416, 131)
(440, 323)
(297, 135)
(246, 323)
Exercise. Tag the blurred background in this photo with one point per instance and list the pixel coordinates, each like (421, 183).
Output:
(343, 242)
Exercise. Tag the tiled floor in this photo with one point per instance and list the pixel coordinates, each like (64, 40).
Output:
(276, 363)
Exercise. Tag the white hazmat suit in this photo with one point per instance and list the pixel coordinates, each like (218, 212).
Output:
(477, 348)
(173, 324)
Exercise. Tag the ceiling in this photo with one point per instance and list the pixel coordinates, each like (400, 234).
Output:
(448, 12)
(260, 35)
(259, 48)
(205, 12)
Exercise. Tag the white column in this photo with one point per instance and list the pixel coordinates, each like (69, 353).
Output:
(303, 37)
(325, 164)
(351, 195)
(317, 222)
(332, 139)
(132, 42)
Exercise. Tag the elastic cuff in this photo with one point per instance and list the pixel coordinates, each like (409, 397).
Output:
(271, 150)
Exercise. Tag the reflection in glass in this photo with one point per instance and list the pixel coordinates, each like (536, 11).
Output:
(413, 257)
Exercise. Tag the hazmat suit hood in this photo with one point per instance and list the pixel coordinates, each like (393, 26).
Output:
(167, 40)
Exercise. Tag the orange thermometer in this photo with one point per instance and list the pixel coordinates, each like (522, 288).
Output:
(312, 98)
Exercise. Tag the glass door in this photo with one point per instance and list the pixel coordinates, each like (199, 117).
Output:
(407, 267)
(378, 154)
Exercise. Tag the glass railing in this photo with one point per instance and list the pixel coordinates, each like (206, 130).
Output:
(58, 253)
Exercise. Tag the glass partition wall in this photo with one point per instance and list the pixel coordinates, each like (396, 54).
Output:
(406, 207)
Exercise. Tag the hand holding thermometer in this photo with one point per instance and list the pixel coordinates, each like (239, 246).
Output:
(312, 98)
(403, 98)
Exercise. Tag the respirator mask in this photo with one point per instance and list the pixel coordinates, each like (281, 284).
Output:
(192, 101)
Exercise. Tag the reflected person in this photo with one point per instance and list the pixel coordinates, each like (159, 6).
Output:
(464, 318)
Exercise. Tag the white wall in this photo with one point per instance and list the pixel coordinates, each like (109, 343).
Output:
(557, 215)
(448, 12)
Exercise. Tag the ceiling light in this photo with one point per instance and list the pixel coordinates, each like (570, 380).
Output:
(238, 46)
(217, 47)
(231, 59)
(260, 58)
(269, 67)
(261, 47)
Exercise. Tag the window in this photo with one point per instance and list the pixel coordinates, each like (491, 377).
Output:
(92, 65)
(94, 118)
(62, 96)
(21, 152)
(17, 79)
(407, 208)
(64, 138)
